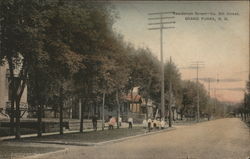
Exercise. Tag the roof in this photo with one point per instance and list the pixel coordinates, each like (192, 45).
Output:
(133, 98)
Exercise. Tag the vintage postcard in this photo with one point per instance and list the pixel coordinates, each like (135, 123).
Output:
(124, 79)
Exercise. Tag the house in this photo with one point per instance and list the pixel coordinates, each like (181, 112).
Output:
(5, 92)
(134, 103)
(148, 106)
(137, 105)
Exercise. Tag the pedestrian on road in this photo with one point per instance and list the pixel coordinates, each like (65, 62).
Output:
(130, 123)
(149, 124)
(94, 121)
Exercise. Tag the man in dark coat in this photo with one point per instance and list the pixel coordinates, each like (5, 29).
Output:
(94, 121)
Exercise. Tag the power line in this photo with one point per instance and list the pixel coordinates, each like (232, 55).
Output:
(157, 21)
(198, 65)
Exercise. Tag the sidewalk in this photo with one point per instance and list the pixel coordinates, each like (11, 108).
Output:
(66, 131)
(102, 138)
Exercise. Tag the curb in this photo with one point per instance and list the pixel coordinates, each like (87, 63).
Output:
(101, 143)
(43, 154)
(135, 136)
(90, 144)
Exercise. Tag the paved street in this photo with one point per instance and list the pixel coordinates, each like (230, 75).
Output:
(219, 139)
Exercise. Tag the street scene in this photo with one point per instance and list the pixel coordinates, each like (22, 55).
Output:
(215, 139)
(124, 79)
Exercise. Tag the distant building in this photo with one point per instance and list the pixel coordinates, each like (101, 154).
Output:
(3, 87)
(137, 105)
(150, 106)
(134, 103)
(5, 92)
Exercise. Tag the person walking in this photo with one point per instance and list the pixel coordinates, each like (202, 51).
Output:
(112, 122)
(145, 124)
(149, 124)
(94, 121)
(163, 123)
(130, 123)
(120, 121)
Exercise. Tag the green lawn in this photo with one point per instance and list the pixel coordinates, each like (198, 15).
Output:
(93, 136)
(10, 150)
(24, 147)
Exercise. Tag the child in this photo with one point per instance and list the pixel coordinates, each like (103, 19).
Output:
(130, 122)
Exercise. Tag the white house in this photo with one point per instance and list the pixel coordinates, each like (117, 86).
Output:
(5, 92)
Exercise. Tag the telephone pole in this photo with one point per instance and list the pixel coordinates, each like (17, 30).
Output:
(198, 65)
(215, 93)
(158, 22)
(170, 97)
(209, 80)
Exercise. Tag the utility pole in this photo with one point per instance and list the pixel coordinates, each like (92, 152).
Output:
(170, 97)
(198, 65)
(215, 99)
(215, 93)
(158, 21)
(209, 80)
(209, 101)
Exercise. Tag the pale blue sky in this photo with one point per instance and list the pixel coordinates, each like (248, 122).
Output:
(222, 45)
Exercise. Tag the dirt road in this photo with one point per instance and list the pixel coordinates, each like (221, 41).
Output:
(218, 139)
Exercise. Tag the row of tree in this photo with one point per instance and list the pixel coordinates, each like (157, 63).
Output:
(244, 108)
(68, 50)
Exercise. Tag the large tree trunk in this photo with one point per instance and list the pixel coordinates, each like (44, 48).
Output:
(12, 96)
(19, 92)
(147, 96)
(39, 121)
(173, 115)
(81, 115)
(61, 118)
(103, 104)
(82, 104)
(18, 134)
(61, 112)
(146, 100)
(131, 102)
(118, 109)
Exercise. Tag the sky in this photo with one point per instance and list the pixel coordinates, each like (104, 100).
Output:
(222, 45)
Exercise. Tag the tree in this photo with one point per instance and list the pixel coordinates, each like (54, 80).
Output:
(19, 43)
(113, 71)
(145, 74)
(173, 78)
(189, 99)
(189, 93)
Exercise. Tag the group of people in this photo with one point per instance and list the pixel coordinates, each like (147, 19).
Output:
(147, 124)
(156, 123)
(112, 122)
